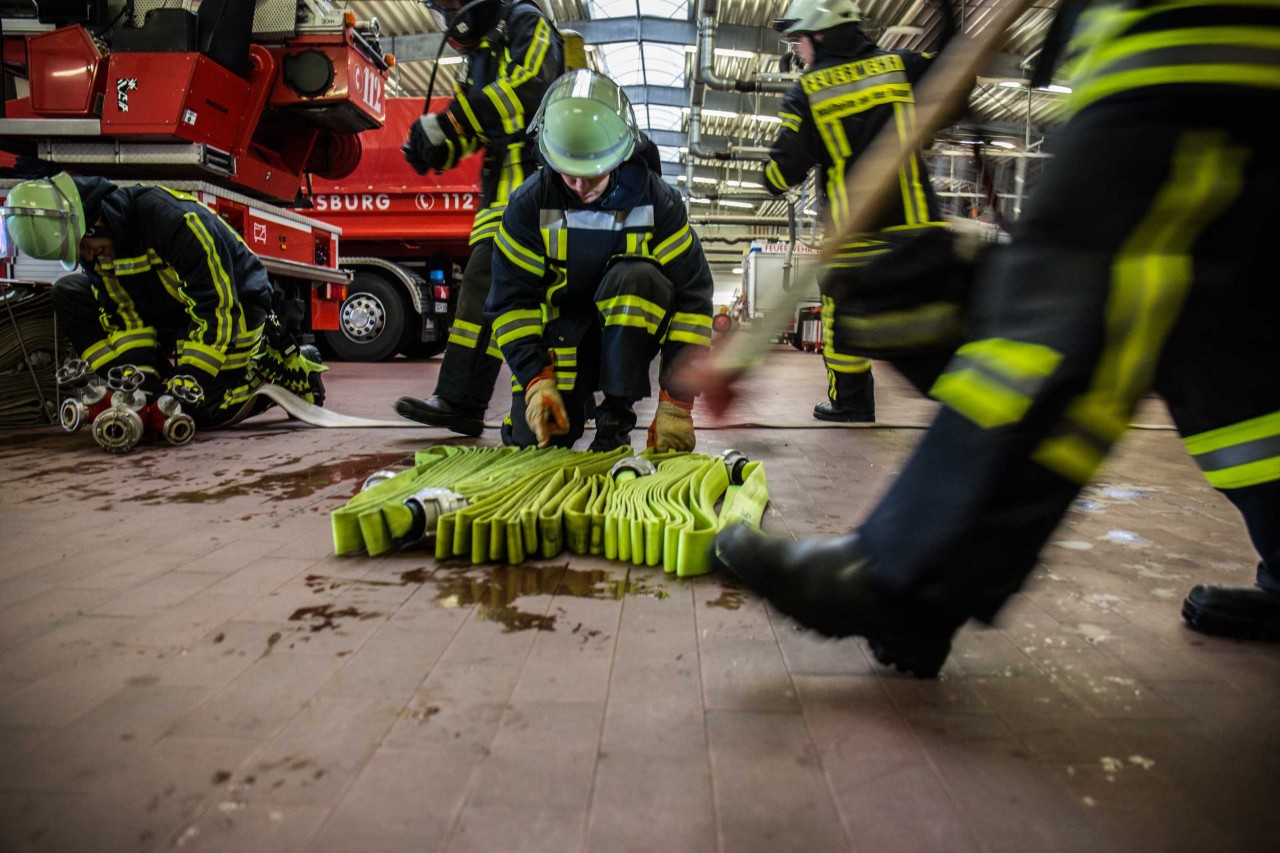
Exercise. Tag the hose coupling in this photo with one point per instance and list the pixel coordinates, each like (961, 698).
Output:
(377, 477)
(736, 462)
(631, 467)
(427, 506)
(118, 428)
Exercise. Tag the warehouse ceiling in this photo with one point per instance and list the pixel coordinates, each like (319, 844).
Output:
(650, 47)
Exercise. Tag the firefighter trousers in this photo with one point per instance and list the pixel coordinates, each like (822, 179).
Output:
(607, 347)
(1139, 266)
(472, 360)
(163, 326)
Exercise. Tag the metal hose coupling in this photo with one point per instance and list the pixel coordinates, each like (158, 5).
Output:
(736, 462)
(377, 477)
(73, 372)
(178, 427)
(118, 428)
(427, 506)
(631, 467)
(75, 409)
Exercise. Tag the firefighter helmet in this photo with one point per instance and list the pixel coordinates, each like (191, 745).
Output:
(467, 23)
(814, 16)
(45, 219)
(585, 126)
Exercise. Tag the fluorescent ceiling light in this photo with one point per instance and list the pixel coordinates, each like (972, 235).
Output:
(750, 185)
(737, 270)
(1000, 143)
(730, 203)
(450, 60)
(1061, 90)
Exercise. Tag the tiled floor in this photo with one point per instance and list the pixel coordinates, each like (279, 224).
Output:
(184, 664)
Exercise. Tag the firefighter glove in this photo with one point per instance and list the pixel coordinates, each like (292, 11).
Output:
(427, 147)
(672, 427)
(544, 408)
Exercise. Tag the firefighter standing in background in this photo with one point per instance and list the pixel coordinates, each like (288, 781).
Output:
(513, 53)
(162, 274)
(849, 90)
(1143, 262)
(597, 272)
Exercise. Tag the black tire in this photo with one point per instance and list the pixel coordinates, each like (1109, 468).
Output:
(373, 321)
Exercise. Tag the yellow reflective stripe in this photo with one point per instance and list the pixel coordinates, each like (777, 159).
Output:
(119, 297)
(200, 356)
(565, 366)
(461, 100)
(501, 96)
(1239, 455)
(991, 381)
(556, 242)
(465, 334)
(1098, 82)
(675, 245)
(631, 310)
(518, 254)
(534, 56)
(520, 323)
(1150, 278)
(924, 324)
(773, 174)
(492, 349)
(790, 121)
(221, 283)
(690, 328)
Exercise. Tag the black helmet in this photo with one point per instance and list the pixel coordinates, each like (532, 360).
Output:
(464, 27)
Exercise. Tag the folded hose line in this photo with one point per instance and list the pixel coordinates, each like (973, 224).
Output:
(501, 504)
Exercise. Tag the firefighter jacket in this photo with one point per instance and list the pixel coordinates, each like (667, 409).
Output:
(508, 72)
(176, 265)
(553, 250)
(1200, 50)
(832, 113)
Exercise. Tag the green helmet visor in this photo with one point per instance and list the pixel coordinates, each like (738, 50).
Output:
(585, 126)
(43, 219)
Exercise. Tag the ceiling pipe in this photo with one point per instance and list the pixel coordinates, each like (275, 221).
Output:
(704, 77)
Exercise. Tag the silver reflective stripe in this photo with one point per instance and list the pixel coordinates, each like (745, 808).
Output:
(597, 220)
(1240, 454)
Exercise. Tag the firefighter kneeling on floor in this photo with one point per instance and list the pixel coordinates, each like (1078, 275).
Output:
(162, 275)
(596, 272)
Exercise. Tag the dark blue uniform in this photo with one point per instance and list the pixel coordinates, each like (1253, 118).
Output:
(596, 290)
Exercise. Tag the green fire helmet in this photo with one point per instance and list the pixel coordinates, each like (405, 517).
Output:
(44, 219)
(585, 126)
(814, 16)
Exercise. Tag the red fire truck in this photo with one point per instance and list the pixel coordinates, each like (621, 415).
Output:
(236, 103)
(404, 240)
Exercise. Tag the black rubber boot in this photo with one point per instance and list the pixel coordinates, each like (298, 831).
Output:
(438, 412)
(853, 399)
(615, 418)
(844, 414)
(826, 585)
(1243, 612)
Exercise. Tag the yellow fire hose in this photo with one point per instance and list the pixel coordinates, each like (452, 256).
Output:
(501, 504)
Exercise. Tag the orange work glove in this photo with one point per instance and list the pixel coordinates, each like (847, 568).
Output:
(672, 427)
(544, 407)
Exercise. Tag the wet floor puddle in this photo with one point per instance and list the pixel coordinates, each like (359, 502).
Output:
(494, 590)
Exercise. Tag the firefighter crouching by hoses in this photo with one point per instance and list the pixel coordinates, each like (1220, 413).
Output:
(596, 271)
(171, 312)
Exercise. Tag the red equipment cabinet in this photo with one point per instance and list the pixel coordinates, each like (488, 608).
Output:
(404, 239)
(200, 101)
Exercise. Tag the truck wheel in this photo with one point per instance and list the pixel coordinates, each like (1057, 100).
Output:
(372, 321)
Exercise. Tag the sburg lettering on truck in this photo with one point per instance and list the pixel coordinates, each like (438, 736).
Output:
(352, 201)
